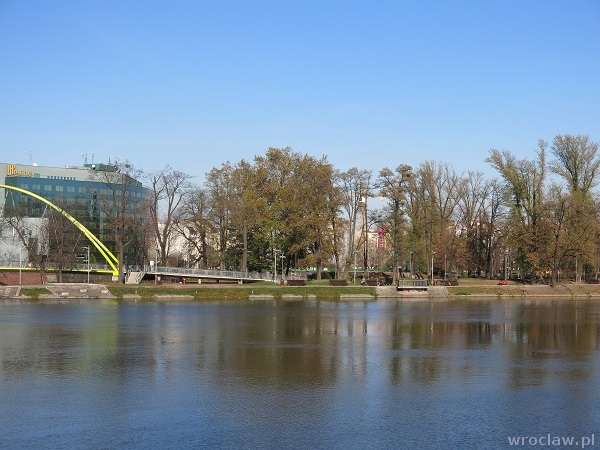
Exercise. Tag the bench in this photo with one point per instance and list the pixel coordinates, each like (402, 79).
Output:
(338, 282)
(446, 282)
(296, 282)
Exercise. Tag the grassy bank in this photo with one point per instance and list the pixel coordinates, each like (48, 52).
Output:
(319, 290)
(238, 292)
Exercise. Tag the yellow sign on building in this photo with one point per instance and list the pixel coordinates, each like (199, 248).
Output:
(11, 169)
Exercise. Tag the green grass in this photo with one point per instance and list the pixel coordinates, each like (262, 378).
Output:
(512, 291)
(239, 292)
(34, 292)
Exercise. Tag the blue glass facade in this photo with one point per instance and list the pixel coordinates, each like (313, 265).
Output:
(83, 192)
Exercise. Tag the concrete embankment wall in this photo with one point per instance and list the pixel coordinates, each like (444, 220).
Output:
(391, 292)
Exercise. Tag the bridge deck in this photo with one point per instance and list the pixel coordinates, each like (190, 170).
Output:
(200, 274)
(161, 271)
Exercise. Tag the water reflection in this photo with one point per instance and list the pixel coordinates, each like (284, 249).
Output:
(379, 365)
(319, 342)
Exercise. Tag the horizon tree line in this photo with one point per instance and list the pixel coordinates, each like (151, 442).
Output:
(538, 217)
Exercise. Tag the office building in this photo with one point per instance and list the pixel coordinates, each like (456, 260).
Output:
(82, 191)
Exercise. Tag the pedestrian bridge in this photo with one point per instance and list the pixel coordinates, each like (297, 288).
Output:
(135, 275)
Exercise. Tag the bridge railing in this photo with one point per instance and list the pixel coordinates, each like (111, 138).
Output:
(175, 271)
(182, 271)
(209, 273)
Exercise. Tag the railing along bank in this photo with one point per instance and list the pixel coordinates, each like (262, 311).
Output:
(232, 274)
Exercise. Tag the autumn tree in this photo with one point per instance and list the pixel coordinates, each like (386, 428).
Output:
(317, 225)
(219, 187)
(567, 229)
(298, 198)
(392, 186)
(577, 162)
(248, 213)
(524, 194)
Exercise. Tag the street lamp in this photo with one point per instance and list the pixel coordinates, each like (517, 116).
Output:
(275, 264)
(155, 267)
(432, 253)
(87, 247)
(363, 205)
(354, 278)
(282, 256)
(20, 255)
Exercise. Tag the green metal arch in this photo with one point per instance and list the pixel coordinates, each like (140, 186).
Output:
(106, 253)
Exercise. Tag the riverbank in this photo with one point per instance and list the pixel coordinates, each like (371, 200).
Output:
(268, 291)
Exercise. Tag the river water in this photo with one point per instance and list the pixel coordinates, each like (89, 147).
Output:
(298, 374)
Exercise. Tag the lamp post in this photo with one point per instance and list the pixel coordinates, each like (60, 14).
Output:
(275, 264)
(156, 267)
(282, 256)
(432, 253)
(20, 263)
(354, 278)
(411, 265)
(87, 247)
(363, 205)
(20, 255)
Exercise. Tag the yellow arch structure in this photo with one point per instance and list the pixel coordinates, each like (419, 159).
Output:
(111, 259)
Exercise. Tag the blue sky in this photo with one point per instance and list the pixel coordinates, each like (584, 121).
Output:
(373, 84)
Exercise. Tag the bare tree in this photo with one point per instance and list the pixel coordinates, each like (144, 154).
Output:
(123, 206)
(193, 226)
(478, 229)
(64, 240)
(353, 184)
(392, 186)
(30, 233)
(169, 188)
